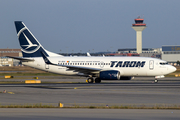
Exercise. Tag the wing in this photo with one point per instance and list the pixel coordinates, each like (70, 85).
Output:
(85, 70)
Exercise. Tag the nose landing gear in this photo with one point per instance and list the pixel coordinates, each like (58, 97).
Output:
(155, 81)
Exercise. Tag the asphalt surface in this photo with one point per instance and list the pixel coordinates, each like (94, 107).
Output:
(137, 92)
(87, 114)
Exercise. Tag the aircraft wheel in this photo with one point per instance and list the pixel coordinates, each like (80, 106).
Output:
(155, 81)
(97, 80)
(90, 80)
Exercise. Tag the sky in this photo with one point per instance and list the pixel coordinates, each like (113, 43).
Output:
(90, 25)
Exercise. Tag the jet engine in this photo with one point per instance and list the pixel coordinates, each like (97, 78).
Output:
(109, 75)
(125, 78)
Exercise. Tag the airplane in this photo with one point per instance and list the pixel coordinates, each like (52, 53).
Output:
(95, 68)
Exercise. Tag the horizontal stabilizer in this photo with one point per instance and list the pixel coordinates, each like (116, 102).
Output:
(21, 59)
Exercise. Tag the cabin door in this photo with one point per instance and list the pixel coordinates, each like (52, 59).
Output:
(151, 64)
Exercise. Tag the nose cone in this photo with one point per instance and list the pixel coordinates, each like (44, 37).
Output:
(172, 69)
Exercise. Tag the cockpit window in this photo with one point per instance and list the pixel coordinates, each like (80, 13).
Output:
(163, 63)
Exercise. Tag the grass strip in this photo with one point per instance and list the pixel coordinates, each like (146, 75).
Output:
(12, 82)
(127, 107)
(29, 74)
(28, 106)
(23, 82)
(175, 107)
(52, 74)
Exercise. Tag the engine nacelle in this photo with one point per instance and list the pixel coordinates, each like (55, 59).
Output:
(109, 75)
(125, 78)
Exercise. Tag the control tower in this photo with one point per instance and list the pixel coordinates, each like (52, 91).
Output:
(139, 26)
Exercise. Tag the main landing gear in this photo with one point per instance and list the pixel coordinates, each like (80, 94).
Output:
(91, 80)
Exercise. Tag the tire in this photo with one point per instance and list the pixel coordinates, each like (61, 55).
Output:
(97, 80)
(90, 80)
(156, 81)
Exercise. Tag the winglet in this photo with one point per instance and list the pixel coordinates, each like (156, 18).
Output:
(46, 60)
(88, 54)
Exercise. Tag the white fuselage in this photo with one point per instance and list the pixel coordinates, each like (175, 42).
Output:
(127, 66)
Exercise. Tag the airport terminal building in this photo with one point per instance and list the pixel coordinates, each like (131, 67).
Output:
(146, 52)
(5, 61)
(171, 53)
